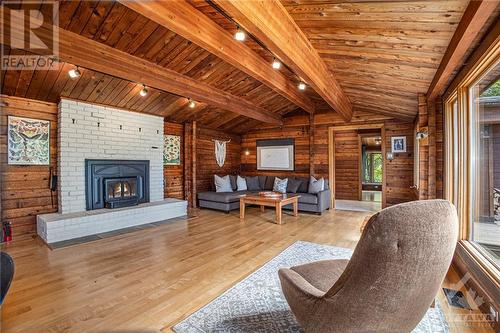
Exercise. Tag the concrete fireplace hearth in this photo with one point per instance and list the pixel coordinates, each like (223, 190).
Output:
(110, 168)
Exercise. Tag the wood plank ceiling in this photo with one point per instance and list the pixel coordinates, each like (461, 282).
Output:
(115, 25)
(381, 53)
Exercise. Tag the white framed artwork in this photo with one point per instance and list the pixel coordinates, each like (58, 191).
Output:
(398, 144)
(275, 155)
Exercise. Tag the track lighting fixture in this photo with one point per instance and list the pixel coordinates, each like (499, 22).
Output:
(74, 73)
(143, 91)
(276, 63)
(302, 86)
(240, 35)
(191, 103)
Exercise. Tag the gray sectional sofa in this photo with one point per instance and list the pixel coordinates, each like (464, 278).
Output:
(227, 201)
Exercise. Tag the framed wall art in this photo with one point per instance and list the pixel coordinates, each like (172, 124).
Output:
(28, 141)
(276, 154)
(398, 144)
(171, 150)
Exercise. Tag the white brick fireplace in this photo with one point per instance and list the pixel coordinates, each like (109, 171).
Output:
(88, 131)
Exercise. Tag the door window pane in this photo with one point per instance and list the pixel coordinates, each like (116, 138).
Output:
(485, 176)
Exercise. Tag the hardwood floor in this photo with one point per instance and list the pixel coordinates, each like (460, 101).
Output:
(148, 280)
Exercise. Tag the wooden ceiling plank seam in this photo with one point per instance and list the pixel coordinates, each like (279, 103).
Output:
(99, 15)
(81, 16)
(24, 82)
(107, 26)
(146, 33)
(48, 83)
(133, 31)
(184, 19)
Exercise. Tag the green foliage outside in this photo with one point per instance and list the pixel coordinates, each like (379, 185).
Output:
(372, 172)
(493, 90)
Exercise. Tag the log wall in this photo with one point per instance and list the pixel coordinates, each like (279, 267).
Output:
(399, 171)
(24, 189)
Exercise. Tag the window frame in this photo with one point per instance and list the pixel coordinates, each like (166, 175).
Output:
(458, 130)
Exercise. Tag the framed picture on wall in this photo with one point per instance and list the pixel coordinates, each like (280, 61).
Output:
(276, 154)
(28, 141)
(171, 150)
(398, 144)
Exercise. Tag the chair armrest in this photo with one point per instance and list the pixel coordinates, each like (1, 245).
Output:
(324, 199)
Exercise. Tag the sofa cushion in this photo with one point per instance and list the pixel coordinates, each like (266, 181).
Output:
(241, 183)
(269, 184)
(293, 185)
(224, 197)
(253, 183)
(262, 182)
(280, 185)
(316, 186)
(304, 186)
(308, 198)
(222, 184)
(234, 183)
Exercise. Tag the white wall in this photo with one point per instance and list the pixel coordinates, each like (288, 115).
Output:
(84, 139)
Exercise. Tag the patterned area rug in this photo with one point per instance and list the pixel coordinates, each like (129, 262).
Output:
(257, 304)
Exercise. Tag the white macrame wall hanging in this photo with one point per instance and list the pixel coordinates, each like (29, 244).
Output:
(220, 151)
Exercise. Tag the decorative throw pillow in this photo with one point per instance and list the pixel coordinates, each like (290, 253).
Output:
(316, 186)
(234, 184)
(253, 183)
(293, 185)
(242, 183)
(222, 184)
(280, 185)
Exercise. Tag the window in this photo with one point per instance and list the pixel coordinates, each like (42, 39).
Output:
(372, 170)
(484, 115)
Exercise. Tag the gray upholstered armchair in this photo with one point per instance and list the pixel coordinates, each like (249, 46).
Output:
(391, 280)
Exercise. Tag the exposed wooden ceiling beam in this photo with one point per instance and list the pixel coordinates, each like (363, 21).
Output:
(473, 20)
(96, 56)
(270, 22)
(185, 20)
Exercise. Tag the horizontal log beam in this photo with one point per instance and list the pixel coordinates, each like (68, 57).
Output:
(270, 22)
(473, 20)
(96, 56)
(188, 22)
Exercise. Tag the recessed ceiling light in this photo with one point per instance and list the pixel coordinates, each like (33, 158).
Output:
(143, 91)
(240, 35)
(74, 73)
(191, 104)
(276, 63)
(302, 86)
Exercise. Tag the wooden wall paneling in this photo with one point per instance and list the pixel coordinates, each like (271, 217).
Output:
(431, 173)
(174, 174)
(207, 166)
(399, 171)
(188, 193)
(311, 144)
(423, 149)
(194, 163)
(440, 150)
(347, 165)
(25, 190)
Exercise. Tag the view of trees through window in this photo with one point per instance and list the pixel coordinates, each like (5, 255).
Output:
(372, 170)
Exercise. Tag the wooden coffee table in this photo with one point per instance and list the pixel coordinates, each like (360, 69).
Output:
(275, 201)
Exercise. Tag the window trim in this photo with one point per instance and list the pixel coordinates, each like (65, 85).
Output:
(460, 194)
